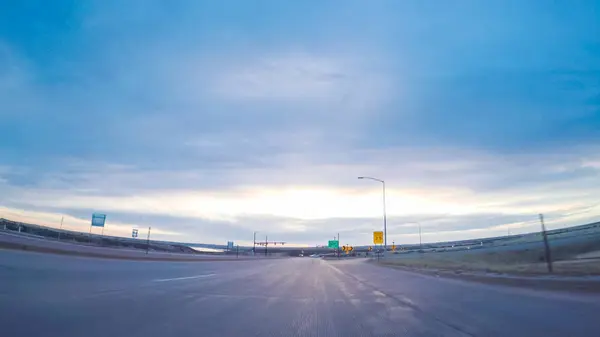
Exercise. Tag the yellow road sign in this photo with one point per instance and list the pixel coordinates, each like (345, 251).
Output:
(393, 247)
(378, 238)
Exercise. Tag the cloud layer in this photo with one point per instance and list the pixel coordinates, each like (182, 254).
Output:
(210, 121)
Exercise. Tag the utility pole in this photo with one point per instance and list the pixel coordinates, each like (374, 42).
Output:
(266, 244)
(254, 245)
(338, 248)
(148, 240)
(546, 245)
(60, 230)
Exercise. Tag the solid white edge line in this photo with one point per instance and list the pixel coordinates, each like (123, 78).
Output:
(183, 278)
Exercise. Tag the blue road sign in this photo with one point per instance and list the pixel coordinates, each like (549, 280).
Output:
(98, 219)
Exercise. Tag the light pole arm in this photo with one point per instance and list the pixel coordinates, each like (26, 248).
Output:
(371, 178)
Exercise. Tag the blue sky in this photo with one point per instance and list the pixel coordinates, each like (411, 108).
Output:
(209, 120)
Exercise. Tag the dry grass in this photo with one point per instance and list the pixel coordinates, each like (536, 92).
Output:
(528, 260)
(577, 267)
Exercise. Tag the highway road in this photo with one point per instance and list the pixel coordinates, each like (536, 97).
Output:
(50, 295)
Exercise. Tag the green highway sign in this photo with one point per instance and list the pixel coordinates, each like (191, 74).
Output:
(334, 244)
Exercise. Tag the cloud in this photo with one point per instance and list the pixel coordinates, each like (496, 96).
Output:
(293, 76)
(453, 193)
(15, 84)
(302, 77)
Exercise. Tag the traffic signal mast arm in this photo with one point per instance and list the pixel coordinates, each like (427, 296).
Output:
(274, 243)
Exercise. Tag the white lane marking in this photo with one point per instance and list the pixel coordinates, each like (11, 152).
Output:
(379, 293)
(183, 278)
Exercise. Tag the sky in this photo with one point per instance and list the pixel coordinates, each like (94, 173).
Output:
(210, 120)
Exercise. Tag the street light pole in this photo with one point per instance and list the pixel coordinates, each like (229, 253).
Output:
(420, 241)
(254, 245)
(384, 220)
(384, 212)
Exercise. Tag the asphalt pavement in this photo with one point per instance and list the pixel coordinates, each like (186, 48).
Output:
(51, 295)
